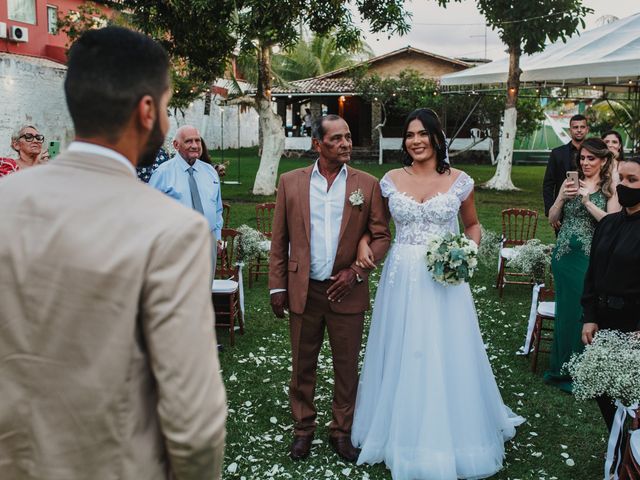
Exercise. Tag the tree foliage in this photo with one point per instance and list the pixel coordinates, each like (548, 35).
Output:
(316, 56)
(524, 27)
(199, 32)
(530, 24)
(410, 90)
(74, 23)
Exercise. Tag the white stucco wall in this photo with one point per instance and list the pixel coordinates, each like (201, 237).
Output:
(223, 122)
(31, 92)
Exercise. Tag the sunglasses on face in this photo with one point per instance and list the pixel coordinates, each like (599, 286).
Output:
(30, 137)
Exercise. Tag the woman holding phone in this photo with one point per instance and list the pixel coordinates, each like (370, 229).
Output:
(584, 199)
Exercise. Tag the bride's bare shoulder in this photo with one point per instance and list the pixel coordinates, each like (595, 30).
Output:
(394, 173)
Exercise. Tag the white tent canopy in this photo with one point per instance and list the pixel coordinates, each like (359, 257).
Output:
(609, 54)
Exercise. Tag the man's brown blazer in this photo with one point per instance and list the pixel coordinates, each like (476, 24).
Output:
(290, 260)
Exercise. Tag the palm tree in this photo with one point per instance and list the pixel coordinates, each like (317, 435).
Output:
(315, 57)
(307, 59)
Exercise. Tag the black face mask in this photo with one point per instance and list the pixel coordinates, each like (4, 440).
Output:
(628, 197)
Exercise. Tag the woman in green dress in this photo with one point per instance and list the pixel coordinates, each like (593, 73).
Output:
(577, 210)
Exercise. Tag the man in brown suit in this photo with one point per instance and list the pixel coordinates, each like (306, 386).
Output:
(108, 360)
(321, 213)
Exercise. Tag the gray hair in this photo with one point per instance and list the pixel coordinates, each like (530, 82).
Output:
(317, 130)
(18, 132)
(179, 131)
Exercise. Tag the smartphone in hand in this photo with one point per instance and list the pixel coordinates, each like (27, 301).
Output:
(572, 175)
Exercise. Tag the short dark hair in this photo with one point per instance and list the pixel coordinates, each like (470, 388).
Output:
(577, 118)
(109, 71)
(635, 159)
(619, 137)
(431, 123)
(317, 129)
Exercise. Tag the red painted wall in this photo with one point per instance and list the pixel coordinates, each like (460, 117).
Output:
(41, 43)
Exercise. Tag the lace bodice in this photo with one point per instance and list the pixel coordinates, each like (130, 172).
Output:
(415, 221)
(578, 225)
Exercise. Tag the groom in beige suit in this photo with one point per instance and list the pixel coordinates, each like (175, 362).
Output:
(322, 211)
(108, 361)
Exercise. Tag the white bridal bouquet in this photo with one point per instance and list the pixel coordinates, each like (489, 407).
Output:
(610, 365)
(451, 259)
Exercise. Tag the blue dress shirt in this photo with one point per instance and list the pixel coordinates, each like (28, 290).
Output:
(172, 178)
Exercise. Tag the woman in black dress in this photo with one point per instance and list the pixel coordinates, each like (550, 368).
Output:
(611, 297)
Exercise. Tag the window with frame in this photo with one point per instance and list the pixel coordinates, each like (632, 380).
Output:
(52, 19)
(22, 11)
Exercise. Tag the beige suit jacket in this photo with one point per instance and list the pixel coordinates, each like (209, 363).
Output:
(290, 257)
(108, 359)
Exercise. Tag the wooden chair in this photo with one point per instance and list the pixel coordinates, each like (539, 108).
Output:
(630, 466)
(225, 291)
(226, 215)
(264, 221)
(544, 326)
(518, 226)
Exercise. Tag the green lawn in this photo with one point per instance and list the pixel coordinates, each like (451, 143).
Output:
(562, 439)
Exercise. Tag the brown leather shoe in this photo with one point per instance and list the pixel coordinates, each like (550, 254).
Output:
(343, 447)
(300, 447)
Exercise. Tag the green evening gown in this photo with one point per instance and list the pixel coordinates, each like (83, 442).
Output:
(569, 263)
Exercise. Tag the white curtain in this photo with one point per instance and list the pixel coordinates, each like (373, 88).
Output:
(22, 11)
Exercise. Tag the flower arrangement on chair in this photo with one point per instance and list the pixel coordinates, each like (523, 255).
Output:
(610, 366)
(251, 245)
(534, 259)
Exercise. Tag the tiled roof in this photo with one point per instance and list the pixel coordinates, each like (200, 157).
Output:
(316, 85)
(339, 82)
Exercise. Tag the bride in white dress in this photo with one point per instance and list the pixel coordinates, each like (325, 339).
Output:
(428, 404)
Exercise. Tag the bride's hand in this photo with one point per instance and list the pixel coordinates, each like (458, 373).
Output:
(365, 258)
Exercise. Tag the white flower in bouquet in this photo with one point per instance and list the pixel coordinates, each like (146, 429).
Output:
(250, 245)
(532, 258)
(451, 259)
(610, 365)
(489, 247)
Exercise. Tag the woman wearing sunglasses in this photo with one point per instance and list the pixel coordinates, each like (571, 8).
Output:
(27, 141)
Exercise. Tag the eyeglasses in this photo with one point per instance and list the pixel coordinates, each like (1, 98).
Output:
(30, 137)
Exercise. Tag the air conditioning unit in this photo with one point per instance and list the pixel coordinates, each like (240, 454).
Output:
(18, 34)
(3, 30)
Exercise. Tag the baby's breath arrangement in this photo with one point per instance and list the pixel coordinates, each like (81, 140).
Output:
(451, 259)
(251, 244)
(532, 258)
(489, 246)
(610, 365)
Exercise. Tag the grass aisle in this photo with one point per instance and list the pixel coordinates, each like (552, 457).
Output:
(562, 439)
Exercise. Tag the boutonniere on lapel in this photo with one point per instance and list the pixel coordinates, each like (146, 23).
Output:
(356, 198)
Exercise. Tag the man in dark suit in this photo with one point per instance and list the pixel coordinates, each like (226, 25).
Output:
(563, 159)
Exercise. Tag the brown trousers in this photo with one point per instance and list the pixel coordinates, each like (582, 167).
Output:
(307, 335)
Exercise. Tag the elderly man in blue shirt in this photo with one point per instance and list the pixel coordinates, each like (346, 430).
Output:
(191, 181)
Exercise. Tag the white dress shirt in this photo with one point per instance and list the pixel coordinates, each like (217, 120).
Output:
(325, 207)
(325, 210)
(93, 149)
